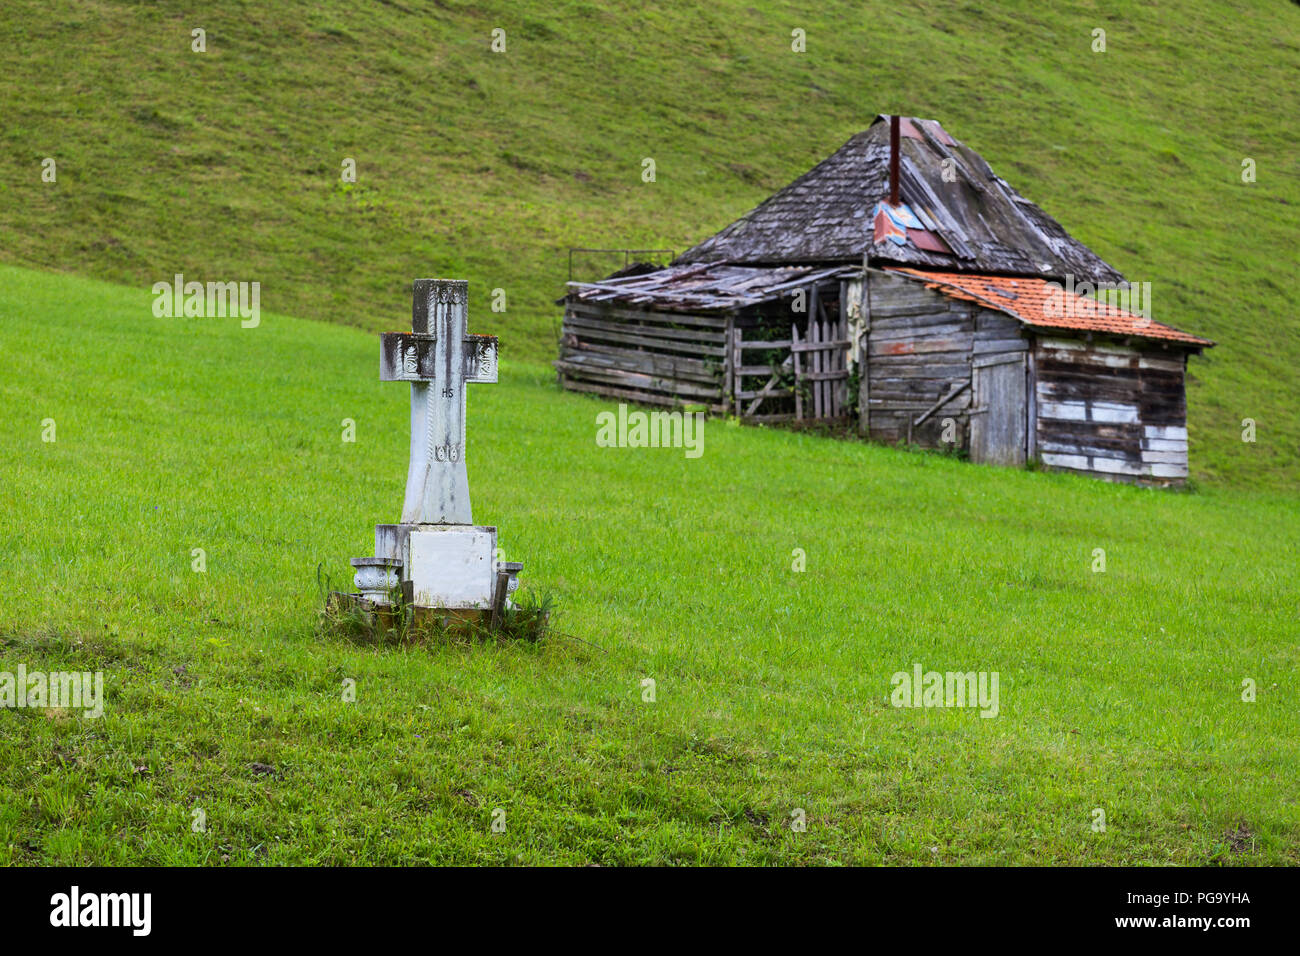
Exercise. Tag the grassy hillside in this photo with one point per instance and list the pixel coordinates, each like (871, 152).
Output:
(1120, 690)
(226, 164)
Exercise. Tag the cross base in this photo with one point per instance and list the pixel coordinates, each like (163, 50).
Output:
(384, 616)
(448, 567)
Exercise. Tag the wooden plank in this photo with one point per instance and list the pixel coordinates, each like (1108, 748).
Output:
(1158, 444)
(697, 365)
(953, 406)
(1052, 370)
(737, 338)
(997, 358)
(960, 342)
(1165, 457)
(653, 331)
(1086, 361)
(1093, 431)
(815, 334)
(943, 400)
(836, 356)
(1115, 466)
(1113, 448)
(984, 346)
(905, 293)
(927, 384)
(886, 331)
(844, 333)
(646, 362)
(729, 378)
(810, 346)
(1071, 462)
(920, 320)
(864, 370)
(988, 321)
(770, 389)
(895, 310)
(798, 374)
(633, 395)
(1051, 391)
(1147, 360)
(832, 365)
(1031, 393)
(636, 380)
(601, 310)
(604, 335)
(619, 348)
(824, 358)
(817, 361)
(946, 364)
(632, 296)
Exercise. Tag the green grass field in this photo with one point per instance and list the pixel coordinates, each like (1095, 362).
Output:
(1120, 690)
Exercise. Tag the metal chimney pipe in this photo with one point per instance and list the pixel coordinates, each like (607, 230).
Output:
(893, 160)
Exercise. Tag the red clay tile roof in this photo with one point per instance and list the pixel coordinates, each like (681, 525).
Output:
(1028, 300)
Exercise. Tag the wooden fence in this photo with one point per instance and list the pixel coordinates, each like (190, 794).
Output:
(812, 371)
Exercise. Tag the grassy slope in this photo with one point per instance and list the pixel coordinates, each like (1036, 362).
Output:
(226, 165)
(1119, 690)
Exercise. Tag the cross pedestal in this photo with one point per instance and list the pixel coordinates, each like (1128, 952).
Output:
(447, 560)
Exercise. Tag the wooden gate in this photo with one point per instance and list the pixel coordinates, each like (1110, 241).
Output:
(821, 369)
(749, 396)
(812, 369)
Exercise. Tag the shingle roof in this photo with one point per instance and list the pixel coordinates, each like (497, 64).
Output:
(1038, 303)
(704, 288)
(975, 223)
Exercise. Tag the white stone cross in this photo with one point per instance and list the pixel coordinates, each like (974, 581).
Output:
(439, 359)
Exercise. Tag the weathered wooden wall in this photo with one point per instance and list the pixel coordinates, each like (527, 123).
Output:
(1116, 411)
(764, 362)
(920, 346)
(657, 358)
(1111, 410)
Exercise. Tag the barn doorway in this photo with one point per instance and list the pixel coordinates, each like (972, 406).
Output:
(998, 415)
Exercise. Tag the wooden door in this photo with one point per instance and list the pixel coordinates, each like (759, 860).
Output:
(998, 417)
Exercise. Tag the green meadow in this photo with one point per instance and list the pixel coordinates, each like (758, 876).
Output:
(176, 493)
(1120, 690)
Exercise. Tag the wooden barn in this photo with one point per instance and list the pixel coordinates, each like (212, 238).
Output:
(902, 285)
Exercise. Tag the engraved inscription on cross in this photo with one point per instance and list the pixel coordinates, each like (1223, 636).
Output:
(439, 359)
